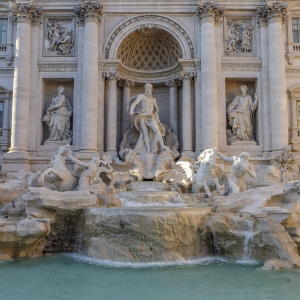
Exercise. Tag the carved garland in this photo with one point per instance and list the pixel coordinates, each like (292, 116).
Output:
(146, 18)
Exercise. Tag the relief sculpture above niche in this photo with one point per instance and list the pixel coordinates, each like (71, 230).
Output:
(239, 36)
(59, 37)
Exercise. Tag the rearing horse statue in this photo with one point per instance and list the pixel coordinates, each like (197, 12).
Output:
(58, 174)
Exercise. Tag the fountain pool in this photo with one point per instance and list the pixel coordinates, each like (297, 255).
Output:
(64, 277)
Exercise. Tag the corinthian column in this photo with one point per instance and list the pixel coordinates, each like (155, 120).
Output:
(173, 111)
(24, 13)
(209, 13)
(187, 115)
(274, 14)
(111, 125)
(127, 84)
(89, 12)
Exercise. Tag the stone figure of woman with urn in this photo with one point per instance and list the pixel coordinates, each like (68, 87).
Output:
(240, 116)
(58, 117)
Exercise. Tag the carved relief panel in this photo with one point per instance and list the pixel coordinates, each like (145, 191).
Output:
(59, 36)
(239, 36)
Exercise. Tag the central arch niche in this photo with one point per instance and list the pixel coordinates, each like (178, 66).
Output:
(149, 50)
(149, 54)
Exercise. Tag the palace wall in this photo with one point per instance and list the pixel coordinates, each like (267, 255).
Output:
(105, 54)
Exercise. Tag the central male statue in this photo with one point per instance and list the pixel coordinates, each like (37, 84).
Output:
(144, 110)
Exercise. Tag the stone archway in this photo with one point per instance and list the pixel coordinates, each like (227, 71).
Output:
(151, 21)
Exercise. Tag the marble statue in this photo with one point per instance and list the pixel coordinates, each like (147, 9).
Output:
(58, 117)
(240, 115)
(240, 169)
(58, 176)
(206, 173)
(239, 37)
(144, 110)
(58, 40)
(91, 172)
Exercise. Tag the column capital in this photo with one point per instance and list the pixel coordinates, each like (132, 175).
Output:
(275, 10)
(209, 11)
(126, 83)
(184, 75)
(173, 83)
(25, 11)
(111, 75)
(89, 10)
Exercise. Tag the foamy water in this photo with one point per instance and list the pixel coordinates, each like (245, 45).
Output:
(120, 264)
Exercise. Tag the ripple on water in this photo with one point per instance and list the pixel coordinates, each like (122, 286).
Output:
(200, 261)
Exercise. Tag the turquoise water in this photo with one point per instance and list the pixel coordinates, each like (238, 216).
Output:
(65, 278)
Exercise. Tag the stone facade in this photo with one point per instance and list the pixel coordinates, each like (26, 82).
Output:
(195, 54)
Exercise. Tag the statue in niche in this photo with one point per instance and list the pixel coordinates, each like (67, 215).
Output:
(58, 117)
(144, 110)
(58, 39)
(240, 115)
(241, 168)
(239, 37)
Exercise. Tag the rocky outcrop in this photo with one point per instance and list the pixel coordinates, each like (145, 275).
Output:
(11, 190)
(22, 238)
(271, 241)
(143, 235)
(230, 234)
(39, 201)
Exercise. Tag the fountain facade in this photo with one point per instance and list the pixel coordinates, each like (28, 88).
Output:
(135, 140)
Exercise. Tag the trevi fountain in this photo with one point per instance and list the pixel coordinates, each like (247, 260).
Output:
(149, 149)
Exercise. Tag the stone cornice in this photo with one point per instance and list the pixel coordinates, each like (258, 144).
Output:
(89, 9)
(209, 10)
(272, 10)
(25, 11)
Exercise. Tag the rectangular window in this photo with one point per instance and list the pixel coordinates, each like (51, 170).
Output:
(296, 30)
(3, 31)
(2, 113)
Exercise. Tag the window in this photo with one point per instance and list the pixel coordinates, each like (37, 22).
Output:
(3, 31)
(296, 30)
(2, 113)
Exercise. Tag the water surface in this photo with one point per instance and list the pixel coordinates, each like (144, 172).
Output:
(64, 278)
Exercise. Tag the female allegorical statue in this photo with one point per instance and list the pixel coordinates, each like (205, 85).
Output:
(58, 118)
(240, 113)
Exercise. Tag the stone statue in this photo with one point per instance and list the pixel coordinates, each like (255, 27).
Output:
(58, 40)
(240, 115)
(239, 37)
(206, 173)
(58, 176)
(144, 110)
(91, 172)
(240, 169)
(58, 118)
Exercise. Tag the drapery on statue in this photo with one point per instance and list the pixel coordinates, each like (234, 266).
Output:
(240, 114)
(58, 118)
(144, 110)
